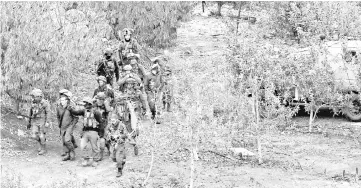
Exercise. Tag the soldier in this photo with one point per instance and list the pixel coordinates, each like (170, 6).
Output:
(137, 68)
(117, 136)
(131, 85)
(103, 87)
(102, 109)
(127, 45)
(152, 84)
(108, 66)
(89, 132)
(38, 118)
(167, 91)
(67, 122)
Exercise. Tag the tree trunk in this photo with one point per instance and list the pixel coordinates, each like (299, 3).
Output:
(259, 146)
(310, 122)
(219, 7)
(239, 16)
(203, 5)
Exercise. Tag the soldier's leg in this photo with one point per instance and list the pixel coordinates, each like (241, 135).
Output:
(65, 149)
(101, 144)
(120, 158)
(94, 137)
(151, 102)
(68, 136)
(83, 142)
(73, 141)
(42, 139)
(35, 134)
(144, 101)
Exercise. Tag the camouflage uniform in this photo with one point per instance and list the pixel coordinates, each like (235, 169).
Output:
(105, 89)
(67, 121)
(38, 121)
(127, 46)
(107, 67)
(152, 84)
(167, 91)
(117, 136)
(134, 88)
(94, 124)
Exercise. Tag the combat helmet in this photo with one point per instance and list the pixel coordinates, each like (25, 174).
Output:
(36, 93)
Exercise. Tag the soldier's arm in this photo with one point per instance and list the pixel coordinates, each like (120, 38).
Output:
(116, 69)
(146, 82)
(142, 70)
(77, 110)
(95, 92)
(122, 81)
(120, 49)
(100, 67)
(137, 78)
(136, 47)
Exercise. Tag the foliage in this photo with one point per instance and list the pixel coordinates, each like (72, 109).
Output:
(305, 20)
(45, 45)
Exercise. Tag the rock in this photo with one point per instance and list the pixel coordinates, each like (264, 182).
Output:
(21, 133)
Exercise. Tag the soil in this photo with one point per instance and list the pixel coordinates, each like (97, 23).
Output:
(292, 158)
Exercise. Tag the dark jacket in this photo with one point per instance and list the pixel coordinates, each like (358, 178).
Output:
(65, 116)
(108, 68)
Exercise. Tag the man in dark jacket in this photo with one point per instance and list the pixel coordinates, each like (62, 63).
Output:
(108, 67)
(67, 122)
(152, 84)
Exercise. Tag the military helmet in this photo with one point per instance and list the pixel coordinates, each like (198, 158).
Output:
(102, 78)
(155, 67)
(127, 67)
(101, 96)
(131, 81)
(65, 92)
(88, 100)
(127, 31)
(36, 93)
(108, 51)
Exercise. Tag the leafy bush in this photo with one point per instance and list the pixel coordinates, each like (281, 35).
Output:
(45, 45)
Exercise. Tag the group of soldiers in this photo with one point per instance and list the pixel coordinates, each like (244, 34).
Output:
(126, 92)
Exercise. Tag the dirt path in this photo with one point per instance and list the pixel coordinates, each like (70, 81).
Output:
(201, 39)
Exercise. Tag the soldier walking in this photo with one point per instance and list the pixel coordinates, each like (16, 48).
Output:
(67, 122)
(38, 119)
(108, 67)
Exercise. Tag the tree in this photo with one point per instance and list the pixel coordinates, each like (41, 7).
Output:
(45, 45)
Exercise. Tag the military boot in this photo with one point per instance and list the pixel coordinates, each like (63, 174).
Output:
(63, 154)
(119, 173)
(66, 157)
(84, 163)
(43, 150)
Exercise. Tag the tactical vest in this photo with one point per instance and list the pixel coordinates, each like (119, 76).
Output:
(89, 120)
(109, 66)
(37, 109)
(128, 47)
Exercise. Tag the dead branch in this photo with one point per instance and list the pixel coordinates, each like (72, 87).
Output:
(222, 155)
